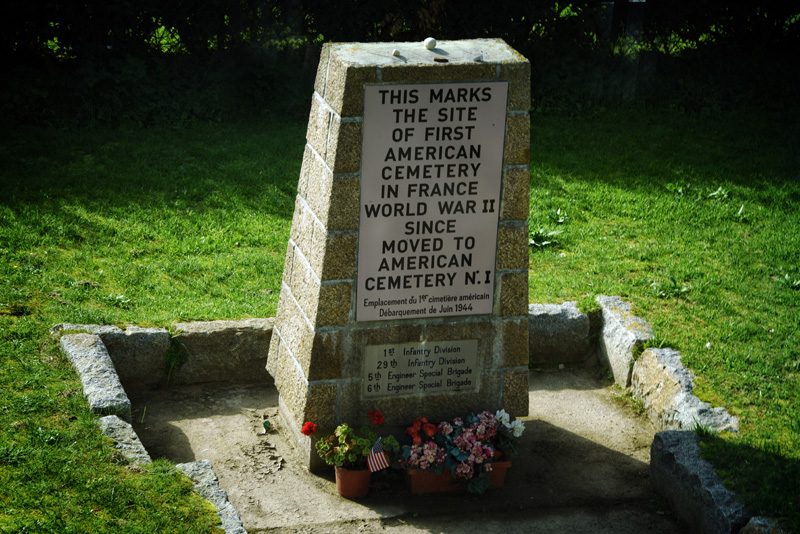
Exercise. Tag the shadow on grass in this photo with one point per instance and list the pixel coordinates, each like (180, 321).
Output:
(110, 171)
(767, 479)
(644, 150)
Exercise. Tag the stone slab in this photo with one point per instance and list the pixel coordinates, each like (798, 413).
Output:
(125, 439)
(558, 333)
(415, 53)
(621, 336)
(223, 351)
(666, 388)
(207, 485)
(101, 386)
(695, 492)
(138, 354)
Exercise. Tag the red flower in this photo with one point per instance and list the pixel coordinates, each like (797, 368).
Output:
(429, 429)
(376, 416)
(308, 428)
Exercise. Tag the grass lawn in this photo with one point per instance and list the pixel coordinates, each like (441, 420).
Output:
(693, 219)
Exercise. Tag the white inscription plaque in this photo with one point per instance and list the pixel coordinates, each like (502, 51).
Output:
(432, 164)
(416, 368)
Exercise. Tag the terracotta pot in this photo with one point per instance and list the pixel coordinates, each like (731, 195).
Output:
(427, 482)
(352, 484)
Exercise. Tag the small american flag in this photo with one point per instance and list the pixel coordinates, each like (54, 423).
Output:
(377, 459)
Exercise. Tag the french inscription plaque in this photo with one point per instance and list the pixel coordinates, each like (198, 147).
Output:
(432, 163)
(417, 368)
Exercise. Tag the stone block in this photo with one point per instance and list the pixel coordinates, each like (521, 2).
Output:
(288, 262)
(139, 354)
(451, 72)
(223, 351)
(126, 441)
(302, 231)
(695, 492)
(327, 351)
(319, 121)
(518, 139)
(345, 86)
(101, 385)
(666, 389)
(558, 333)
(316, 179)
(621, 336)
(320, 82)
(334, 255)
(514, 294)
(335, 302)
(296, 334)
(206, 483)
(515, 392)
(519, 87)
(343, 209)
(512, 247)
(306, 171)
(515, 205)
(515, 343)
(344, 148)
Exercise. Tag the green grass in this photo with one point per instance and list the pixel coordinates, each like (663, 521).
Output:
(128, 227)
(690, 218)
(694, 220)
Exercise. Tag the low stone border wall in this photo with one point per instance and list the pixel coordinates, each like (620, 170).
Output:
(558, 333)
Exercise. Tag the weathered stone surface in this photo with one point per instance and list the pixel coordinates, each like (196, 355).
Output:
(558, 333)
(666, 388)
(513, 294)
(138, 354)
(518, 135)
(125, 438)
(101, 386)
(515, 344)
(512, 247)
(223, 351)
(762, 525)
(694, 491)
(516, 194)
(318, 341)
(207, 485)
(71, 328)
(622, 334)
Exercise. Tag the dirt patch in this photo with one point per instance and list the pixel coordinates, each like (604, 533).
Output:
(583, 466)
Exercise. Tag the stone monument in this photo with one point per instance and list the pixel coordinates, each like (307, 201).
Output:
(405, 287)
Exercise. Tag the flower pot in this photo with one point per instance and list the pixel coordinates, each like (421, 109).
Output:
(352, 484)
(427, 482)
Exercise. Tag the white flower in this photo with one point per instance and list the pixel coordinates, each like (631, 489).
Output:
(517, 427)
(503, 417)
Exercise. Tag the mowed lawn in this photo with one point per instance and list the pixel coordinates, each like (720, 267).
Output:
(691, 218)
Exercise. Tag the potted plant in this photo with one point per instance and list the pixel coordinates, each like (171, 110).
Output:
(469, 453)
(354, 455)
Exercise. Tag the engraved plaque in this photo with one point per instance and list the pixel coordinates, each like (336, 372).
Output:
(419, 368)
(432, 166)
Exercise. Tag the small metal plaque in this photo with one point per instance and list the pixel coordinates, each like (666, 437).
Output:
(420, 368)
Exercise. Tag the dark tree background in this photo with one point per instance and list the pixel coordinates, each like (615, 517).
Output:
(177, 61)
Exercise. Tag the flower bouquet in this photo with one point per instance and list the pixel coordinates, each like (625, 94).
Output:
(470, 450)
(354, 454)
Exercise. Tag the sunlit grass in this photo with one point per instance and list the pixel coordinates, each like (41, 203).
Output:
(139, 227)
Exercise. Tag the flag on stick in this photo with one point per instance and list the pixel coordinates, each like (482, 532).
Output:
(377, 458)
